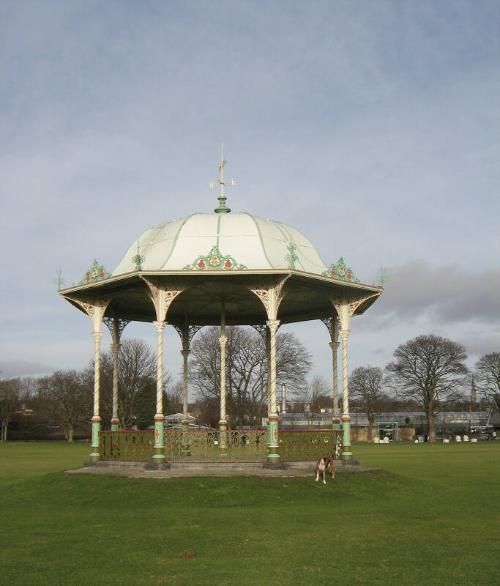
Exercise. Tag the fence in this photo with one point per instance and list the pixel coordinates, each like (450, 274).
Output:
(205, 445)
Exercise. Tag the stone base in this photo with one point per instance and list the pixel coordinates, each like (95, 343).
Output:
(303, 469)
(275, 466)
(161, 466)
(347, 462)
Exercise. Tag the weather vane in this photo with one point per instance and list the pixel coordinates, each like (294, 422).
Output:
(58, 280)
(221, 208)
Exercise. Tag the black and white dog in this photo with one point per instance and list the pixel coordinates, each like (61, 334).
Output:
(322, 466)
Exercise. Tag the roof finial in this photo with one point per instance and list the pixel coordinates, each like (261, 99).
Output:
(221, 209)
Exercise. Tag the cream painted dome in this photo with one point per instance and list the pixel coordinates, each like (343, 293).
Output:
(221, 241)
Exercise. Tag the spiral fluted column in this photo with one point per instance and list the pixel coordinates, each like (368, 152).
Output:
(159, 456)
(115, 348)
(223, 414)
(273, 456)
(96, 419)
(346, 419)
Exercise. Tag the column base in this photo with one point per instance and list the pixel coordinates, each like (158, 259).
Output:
(273, 458)
(222, 437)
(115, 424)
(346, 440)
(95, 445)
(158, 456)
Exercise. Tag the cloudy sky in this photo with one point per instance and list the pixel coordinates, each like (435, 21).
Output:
(373, 127)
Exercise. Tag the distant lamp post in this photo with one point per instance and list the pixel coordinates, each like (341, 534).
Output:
(283, 398)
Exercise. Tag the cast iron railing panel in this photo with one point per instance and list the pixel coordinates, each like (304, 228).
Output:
(205, 445)
(309, 445)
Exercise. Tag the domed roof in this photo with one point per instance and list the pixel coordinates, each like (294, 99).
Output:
(221, 241)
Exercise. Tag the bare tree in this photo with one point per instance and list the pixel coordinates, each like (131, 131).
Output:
(174, 398)
(428, 369)
(66, 398)
(318, 394)
(9, 403)
(136, 383)
(488, 373)
(365, 386)
(246, 373)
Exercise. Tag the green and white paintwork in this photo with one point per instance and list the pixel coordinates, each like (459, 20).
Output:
(94, 454)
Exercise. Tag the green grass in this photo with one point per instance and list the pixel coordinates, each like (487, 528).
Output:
(432, 516)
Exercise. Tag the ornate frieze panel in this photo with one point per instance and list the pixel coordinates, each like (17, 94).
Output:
(340, 272)
(95, 273)
(215, 261)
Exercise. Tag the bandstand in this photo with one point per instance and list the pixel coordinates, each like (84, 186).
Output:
(220, 269)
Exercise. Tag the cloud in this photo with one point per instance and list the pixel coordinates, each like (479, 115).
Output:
(19, 368)
(444, 294)
(371, 128)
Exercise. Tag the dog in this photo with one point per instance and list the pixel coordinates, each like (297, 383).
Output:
(322, 466)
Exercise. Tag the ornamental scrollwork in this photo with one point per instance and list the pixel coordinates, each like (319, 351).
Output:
(95, 273)
(340, 272)
(215, 261)
(292, 256)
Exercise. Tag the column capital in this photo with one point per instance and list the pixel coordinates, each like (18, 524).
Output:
(115, 346)
(185, 352)
(345, 333)
(223, 340)
(273, 324)
(334, 345)
(97, 335)
(160, 325)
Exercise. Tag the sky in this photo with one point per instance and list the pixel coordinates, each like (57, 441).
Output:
(372, 127)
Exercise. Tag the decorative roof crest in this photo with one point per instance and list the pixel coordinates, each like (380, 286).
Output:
(138, 258)
(215, 261)
(340, 272)
(291, 257)
(95, 273)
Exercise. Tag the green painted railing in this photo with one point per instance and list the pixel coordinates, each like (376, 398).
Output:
(127, 445)
(202, 444)
(206, 445)
(309, 445)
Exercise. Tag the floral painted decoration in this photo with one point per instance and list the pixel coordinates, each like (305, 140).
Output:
(291, 257)
(138, 259)
(340, 272)
(215, 261)
(95, 273)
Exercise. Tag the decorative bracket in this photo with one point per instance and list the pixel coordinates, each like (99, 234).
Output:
(187, 333)
(346, 309)
(162, 297)
(94, 309)
(333, 326)
(116, 325)
(261, 330)
(271, 297)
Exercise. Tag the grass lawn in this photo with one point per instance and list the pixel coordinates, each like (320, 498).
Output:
(432, 516)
